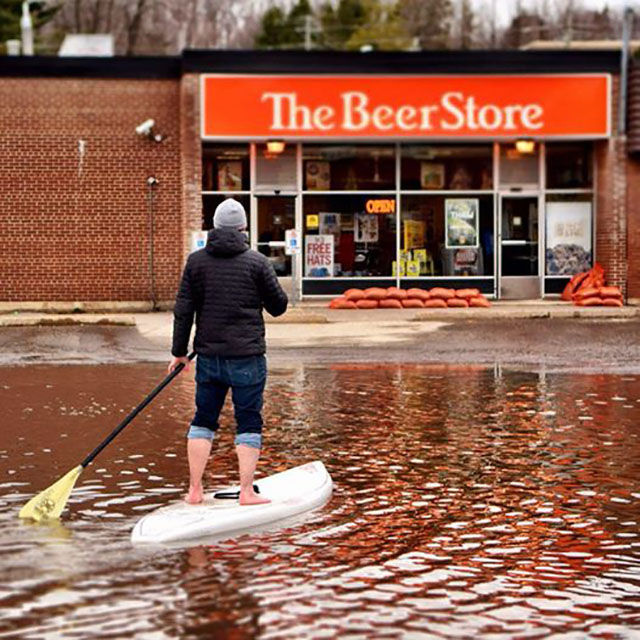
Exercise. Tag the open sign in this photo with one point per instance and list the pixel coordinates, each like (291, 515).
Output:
(380, 206)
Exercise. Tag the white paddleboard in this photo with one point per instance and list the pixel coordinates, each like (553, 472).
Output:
(291, 492)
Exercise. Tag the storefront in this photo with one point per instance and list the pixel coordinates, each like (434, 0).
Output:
(450, 180)
(502, 172)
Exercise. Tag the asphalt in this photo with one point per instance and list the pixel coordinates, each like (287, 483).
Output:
(522, 336)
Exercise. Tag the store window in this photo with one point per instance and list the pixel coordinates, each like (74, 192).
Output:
(211, 201)
(447, 167)
(446, 235)
(568, 233)
(348, 168)
(519, 169)
(225, 168)
(569, 166)
(276, 171)
(349, 235)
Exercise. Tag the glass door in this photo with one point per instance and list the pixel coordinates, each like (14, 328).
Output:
(275, 214)
(519, 247)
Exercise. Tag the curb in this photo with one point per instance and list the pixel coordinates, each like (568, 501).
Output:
(66, 321)
(528, 314)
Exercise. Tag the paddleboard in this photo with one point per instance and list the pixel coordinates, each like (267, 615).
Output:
(291, 492)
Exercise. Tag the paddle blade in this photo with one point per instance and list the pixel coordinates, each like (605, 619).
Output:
(48, 504)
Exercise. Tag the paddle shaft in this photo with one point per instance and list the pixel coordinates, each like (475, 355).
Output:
(135, 412)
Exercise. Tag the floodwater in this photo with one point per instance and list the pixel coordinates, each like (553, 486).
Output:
(469, 502)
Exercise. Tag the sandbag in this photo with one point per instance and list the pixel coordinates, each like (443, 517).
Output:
(457, 303)
(354, 294)
(479, 301)
(367, 304)
(375, 293)
(442, 293)
(390, 303)
(435, 303)
(573, 285)
(342, 303)
(612, 302)
(397, 294)
(591, 292)
(466, 294)
(418, 294)
(593, 301)
(413, 303)
(610, 292)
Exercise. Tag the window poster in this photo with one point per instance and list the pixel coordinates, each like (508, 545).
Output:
(431, 175)
(366, 227)
(317, 175)
(330, 224)
(568, 232)
(414, 234)
(230, 175)
(319, 256)
(461, 222)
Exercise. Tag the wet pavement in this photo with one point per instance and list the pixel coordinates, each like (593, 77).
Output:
(470, 501)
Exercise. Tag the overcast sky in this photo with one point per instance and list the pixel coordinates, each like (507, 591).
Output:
(505, 8)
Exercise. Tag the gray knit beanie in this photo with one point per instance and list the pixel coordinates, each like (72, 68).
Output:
(230, 214)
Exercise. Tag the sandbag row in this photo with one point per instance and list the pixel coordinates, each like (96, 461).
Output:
(587, 289)
(395, 298)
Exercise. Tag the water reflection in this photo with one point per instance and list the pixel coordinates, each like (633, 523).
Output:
(468, 502)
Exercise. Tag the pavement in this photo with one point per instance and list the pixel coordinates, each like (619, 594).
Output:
(519, 335)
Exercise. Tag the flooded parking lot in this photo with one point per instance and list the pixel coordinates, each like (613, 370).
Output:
(469, 501)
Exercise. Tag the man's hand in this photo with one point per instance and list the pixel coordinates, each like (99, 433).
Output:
(176, 361)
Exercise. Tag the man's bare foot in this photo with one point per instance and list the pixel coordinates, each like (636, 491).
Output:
(251, 497)
(195, 495)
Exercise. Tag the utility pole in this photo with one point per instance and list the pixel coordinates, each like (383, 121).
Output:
(627, 17)
(307, 32)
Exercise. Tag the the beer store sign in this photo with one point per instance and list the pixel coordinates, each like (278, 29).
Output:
(261, 107)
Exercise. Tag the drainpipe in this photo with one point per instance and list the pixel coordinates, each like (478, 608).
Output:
(152, 182)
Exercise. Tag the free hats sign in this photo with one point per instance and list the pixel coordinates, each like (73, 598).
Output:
(266, 106)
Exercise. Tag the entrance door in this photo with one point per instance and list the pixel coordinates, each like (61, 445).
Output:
(275, 214)
(519, 248)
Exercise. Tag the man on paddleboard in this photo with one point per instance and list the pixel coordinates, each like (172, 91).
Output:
(226, 286)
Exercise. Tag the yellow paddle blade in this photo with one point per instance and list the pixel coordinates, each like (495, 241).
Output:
(48, 504)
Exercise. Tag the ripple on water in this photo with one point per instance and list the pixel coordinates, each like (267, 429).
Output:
(467, 504)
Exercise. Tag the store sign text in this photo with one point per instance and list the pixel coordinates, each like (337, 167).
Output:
(454, 111)
(380, 206)
(369, 106)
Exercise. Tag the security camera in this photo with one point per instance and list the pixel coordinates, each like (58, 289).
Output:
(146, 128)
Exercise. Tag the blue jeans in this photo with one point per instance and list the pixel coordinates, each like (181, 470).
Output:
(246, 377)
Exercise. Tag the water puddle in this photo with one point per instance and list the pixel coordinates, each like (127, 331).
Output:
(468, 502)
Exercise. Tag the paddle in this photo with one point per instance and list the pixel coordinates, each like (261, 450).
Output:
(48, 504)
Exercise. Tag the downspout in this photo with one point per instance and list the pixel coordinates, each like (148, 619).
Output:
(151, 185)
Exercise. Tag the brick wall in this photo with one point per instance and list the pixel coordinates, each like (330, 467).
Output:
(633, 227)
(76, 226)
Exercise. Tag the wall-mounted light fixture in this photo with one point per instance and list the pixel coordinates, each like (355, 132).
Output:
(525, 146)
(275, 147)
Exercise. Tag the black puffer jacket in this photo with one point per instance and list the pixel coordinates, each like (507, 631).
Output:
(226, 286)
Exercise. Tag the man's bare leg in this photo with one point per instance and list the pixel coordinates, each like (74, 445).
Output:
(198, 450)
(247, 462)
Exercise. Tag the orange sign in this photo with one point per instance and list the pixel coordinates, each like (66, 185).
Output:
(261, 107)
(380, 206)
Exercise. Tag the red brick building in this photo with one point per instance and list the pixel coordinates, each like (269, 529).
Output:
(503, 171)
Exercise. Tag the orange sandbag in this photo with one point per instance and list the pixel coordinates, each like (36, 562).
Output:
(367, 304)
(396, 294)
(354, 294)
(442, 293)
(466, 294)
(610, 292)
(479, 301)
(590, 302)
(591, 292)
(412, 303)
(342, 303)
(375, 293)
(435, 303)
(418, 294)
(390, 303)
(573, 285)
(457, 302)
(612, 302)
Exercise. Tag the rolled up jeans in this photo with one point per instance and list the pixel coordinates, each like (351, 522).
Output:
(246, 377)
